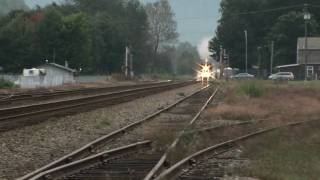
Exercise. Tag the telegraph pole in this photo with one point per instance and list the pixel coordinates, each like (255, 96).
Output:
(307, 17)
(131, 66)
(246, 38)
(259, 61)
(126, 63)
(221, 62)
(271, 59)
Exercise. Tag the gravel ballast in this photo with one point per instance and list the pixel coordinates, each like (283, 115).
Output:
(26, 149)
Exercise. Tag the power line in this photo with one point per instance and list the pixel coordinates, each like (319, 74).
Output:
(266, 10)
(251, 12)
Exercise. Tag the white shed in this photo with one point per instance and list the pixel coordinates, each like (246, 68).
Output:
(57, 75)
(50, 75)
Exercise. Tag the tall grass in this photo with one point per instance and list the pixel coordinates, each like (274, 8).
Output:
(253, 89)
(289, 154)
(4, 84)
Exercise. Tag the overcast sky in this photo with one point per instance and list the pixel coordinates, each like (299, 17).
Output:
(197, 19)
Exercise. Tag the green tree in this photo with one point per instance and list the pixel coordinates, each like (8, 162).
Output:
(115, 25)
(137, 28)
(285, 33)
(17, 44)
(75, 47)
(91, 34)
(262, 27)
(163, 27)
(8, 5)
(49, 35)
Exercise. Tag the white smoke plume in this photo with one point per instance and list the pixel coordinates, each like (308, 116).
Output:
(203, 48)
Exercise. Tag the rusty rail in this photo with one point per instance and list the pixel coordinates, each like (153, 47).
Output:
(90, 148)
(217, 149)
(39, 95)
(102, 157)
(162, 161)
(10, 115)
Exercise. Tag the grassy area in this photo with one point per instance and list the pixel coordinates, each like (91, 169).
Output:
(292, 154)
(250, 89)
(5, 84)
(283, 155)
(258, 100)
(289, 154)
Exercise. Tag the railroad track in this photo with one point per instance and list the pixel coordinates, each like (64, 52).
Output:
(174, 119)
(212, 162)
(25, 115)
(36, 96)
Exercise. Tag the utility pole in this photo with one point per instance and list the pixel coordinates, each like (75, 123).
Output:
(221, 62)
(225, 62)
(271, 59)
(131, 66)
(259, 61)
(307, 17)
(228, 59)
(126, 63)
(246, 38)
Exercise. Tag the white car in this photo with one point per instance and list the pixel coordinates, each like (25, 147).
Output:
(288, 76)
(243, 76)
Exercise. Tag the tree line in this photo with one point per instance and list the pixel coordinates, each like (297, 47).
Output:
(92, 35)
(7, 5)
(265, 21)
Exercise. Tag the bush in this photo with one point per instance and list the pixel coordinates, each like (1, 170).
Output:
(251, 89)
(6, 84)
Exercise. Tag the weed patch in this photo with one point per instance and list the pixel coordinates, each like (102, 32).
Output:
(5, 84)
(291, 154)
(276, 103)
(250, 88)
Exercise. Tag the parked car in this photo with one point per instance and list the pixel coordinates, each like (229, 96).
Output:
(243, 76)
(287, 76)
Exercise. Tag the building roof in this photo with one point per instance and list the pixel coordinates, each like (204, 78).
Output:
(61, 67)
(313, 43)
(288, 65)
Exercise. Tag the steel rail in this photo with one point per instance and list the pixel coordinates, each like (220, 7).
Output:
(62, 171)
(173, 170)
(10, 98)
(163, 159)
(61, 102)
(221, 127)
(30, 110)
(49, 92)
(91, 147)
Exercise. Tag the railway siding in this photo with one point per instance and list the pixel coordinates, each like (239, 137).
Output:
(173, 122)
(29, 114)
(40, 144)
(191, 165)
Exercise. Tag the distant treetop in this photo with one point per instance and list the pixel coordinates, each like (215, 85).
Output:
(9, 5)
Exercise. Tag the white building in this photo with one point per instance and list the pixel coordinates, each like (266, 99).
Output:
(47, 75)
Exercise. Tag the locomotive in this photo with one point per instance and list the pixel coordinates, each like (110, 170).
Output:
(206, 72)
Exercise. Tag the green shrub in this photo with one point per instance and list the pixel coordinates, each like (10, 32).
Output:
(6, 84)
(250, 88)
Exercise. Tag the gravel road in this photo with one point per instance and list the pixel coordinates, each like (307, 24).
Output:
(26, 149)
